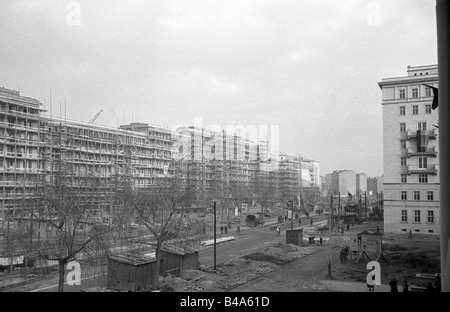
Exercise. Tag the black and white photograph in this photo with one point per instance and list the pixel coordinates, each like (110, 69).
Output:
(224, 151)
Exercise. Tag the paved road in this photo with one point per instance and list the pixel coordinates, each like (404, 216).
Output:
(249, 239)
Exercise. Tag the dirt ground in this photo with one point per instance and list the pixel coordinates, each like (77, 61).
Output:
(404, 257)
(236, 272)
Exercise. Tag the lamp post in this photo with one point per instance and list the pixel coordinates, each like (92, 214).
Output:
(215, 237)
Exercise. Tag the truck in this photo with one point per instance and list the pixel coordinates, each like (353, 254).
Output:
(253, 220)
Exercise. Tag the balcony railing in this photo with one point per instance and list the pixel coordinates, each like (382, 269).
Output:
(432, 134)
(430, 169)
(432, 152)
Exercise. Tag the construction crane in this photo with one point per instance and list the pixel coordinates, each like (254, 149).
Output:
(95, 117)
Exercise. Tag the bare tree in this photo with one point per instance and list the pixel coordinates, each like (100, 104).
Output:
(156, 208)
(68, 212)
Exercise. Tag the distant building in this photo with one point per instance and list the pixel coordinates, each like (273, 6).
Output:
(411, 162)
(361, 184)
(343, 182)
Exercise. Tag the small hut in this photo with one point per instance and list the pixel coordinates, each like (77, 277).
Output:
(294, 237)
(130, 272)
(175, 260)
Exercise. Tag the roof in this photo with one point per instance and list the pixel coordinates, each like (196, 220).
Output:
(132, 259)
(179, 250)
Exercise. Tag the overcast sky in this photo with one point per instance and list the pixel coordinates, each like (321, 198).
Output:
(311, 67)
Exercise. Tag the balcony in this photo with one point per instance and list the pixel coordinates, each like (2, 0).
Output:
(429, 152)
(432, 134)
(431, 169)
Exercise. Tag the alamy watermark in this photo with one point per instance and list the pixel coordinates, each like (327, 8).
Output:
(74, 275)
(73, 13)
(374, 276)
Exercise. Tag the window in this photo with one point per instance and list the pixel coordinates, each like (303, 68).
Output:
(430, 196)
(403, 161)
(404, 178)
(428, 109)
(415, 93)
(402, 127)
(416, 195)
(421, 126)
(403, 144)
(402, 111)
(402, 94)
(423, 163)
(404, 216)
(404, 195)
(427, 92)
(415, 110)
(416, 216)
(430, 216)
(423, 178)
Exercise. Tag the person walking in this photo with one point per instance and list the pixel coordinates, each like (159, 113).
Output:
(410, 234)
(299, 221)
(348, 226)
(278, 231)
(393, 285)
(321, 241)
(405, 285)
(311, 221)
(221, 229)
(238, 229)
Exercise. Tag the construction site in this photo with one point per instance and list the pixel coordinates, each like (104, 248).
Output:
(52, 167)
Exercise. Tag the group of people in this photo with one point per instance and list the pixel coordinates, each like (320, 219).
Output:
(224, 228)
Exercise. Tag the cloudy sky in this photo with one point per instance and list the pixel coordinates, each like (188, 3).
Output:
(309, 66)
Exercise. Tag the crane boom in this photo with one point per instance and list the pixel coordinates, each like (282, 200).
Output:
(95, 117)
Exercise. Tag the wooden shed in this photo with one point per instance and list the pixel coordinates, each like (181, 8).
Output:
(175, 260)
(130, 272)
(294, 237)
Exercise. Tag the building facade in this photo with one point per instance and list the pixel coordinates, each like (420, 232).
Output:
(411, 162)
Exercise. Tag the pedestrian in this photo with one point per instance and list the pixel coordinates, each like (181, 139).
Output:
(410, 234)
(221, 229)
(226, 229)
(321, 241)
(299, 221)
(238, 229)
(204, 230)
(371, 287)
(393, 285)
(405, 285)
(342, 230)
(438, 283)
(285, 218)
(341, 255)
(430, 288)
(378, 229)
(278, 231)
(348, 226)
(311, 221)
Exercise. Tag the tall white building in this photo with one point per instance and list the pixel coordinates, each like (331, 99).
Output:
(411, 162)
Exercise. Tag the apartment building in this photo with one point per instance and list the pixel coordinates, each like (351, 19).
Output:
(411, 162)
(19, 150)
(34, 146)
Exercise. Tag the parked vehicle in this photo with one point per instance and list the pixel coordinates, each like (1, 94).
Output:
(254, 219)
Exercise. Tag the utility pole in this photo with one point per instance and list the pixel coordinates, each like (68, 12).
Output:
(339, 210)
(329, 240)
(215, 237)
(443, 33)
(365, 203)
(359, 208)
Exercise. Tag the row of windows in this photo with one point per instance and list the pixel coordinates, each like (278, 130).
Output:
(415, 110)
(420, 126)
(423, 178)
(414, 93)
(417, 216)
(416, 195)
